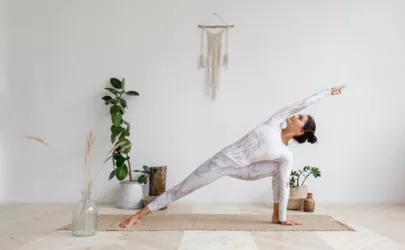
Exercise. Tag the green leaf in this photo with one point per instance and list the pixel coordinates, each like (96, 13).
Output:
(116, 83)
(114, 91)
(116, 130)
(133, 93)
(107, 102)
(113, 101)
(153, 170)
(146, 168)
(122, 137)
(291, 182)
(116, 109)
(126, 146)
(142, 179)
(118, 156)
(116, 119)
(107, 98)
(121, 172)
(112, 174)
(137, 171)
(119, 160)
(294, 173)
(128, 125)
(123, 103)
(113, 138)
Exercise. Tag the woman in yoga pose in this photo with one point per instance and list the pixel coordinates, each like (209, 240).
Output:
(261, 153)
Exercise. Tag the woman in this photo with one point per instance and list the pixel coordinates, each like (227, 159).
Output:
(261, 153)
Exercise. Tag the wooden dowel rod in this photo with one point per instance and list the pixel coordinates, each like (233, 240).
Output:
(216, 26)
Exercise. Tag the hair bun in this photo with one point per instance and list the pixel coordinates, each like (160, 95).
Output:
(312, 139)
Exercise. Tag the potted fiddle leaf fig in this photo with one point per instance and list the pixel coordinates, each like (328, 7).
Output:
(299, 191)
(131, 194)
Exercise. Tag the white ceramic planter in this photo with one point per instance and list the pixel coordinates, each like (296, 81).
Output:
(131, 195)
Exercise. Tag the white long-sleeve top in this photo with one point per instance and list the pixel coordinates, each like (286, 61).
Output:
(264, 143)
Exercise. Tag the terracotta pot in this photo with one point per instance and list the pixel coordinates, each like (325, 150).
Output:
(297, 197)
(309, 203)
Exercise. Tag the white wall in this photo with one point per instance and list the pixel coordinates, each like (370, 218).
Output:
(3, 102)
(61, 54)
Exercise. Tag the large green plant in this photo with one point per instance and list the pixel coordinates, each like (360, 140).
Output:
(304, 173)
(120, 129)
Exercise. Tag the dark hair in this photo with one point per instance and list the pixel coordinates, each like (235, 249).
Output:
(309, 132)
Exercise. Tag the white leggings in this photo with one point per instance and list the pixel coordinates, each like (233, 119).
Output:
(220, 165)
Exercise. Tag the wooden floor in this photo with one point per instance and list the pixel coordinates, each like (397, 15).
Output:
(32, 226)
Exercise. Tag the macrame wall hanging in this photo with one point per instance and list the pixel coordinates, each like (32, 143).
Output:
(216, 56)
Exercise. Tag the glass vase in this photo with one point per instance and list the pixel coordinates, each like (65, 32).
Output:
(85, 217)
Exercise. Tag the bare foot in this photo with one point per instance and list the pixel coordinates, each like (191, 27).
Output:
(287, 222)
(130, 221)
(292, 223)
(298, 223)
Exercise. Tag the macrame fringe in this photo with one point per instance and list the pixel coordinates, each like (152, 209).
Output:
(226, 61)
(213, 60)
(203, 62)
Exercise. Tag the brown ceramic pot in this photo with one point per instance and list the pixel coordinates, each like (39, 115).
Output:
(309, 203)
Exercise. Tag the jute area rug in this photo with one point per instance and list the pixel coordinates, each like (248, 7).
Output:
(218, 222)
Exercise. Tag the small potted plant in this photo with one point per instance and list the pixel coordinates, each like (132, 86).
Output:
(131, 194)
(146, 173)
(299, 191)
(157, 182)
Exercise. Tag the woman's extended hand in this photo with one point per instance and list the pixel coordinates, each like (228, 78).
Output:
(337, 90)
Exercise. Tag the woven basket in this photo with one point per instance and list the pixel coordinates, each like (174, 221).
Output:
(297, 197)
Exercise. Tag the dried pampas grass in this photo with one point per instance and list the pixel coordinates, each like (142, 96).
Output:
(40, 140)
(87, 163)
(90, 173)
(88, 180)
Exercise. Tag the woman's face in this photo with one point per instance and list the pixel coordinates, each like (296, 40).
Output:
(296, 123)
